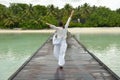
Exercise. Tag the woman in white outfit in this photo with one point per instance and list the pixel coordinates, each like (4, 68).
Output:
(59, 41)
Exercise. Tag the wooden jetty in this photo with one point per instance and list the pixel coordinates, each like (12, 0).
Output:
(80, 65)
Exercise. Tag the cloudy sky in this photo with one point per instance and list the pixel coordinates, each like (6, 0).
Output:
(112, 4)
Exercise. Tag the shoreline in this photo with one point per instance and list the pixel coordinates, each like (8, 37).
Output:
(72, 30)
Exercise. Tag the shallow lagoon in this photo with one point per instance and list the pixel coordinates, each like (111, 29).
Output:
(105, 46)
(15, 49)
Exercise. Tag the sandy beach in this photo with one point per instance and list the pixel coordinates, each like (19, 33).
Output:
(72, 30)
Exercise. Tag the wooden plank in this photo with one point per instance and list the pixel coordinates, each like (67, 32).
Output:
(80, 65)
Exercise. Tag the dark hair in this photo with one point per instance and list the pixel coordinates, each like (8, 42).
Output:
(61, 24)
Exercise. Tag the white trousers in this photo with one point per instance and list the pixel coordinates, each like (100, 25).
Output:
(59, 52)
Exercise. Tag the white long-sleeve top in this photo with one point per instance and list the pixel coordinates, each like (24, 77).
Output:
(61, 32)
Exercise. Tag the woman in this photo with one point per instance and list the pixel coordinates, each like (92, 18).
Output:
(59, 41)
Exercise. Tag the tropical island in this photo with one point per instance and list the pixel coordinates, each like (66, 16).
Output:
(102, 22)
(24, 16)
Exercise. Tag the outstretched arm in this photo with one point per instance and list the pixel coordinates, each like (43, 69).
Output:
(51, 26)
(69, 19)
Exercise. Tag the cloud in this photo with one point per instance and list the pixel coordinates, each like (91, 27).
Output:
(113, 4)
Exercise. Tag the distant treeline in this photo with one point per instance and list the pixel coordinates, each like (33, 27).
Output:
(26, 16)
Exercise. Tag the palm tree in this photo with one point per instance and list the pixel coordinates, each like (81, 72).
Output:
(2, 14)
(67, 9)
(50, 9)
(14, 15)
(118, 10)
(85, 10)
(28, 13)
(40, 10)
(2, 11)
(11, 22)
(65, 12)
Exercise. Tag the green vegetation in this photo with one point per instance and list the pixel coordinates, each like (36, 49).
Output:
(26, 16)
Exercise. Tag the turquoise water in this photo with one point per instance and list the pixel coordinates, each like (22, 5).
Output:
(105, 46)
(15, 49)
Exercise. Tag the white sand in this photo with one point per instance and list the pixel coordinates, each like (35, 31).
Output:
(95, 30)
(72, 30)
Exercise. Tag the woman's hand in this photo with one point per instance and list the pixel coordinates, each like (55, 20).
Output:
(48, 24)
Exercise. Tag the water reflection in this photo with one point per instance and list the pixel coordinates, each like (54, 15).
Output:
(60, 74)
